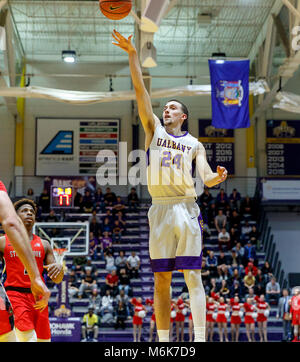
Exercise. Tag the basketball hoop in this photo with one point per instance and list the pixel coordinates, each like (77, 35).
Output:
(59, 254)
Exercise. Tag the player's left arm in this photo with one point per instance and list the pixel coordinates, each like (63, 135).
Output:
(209, 177)
(54, 269)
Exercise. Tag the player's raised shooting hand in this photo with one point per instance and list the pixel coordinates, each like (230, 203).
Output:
(123, 42)
(222, 173)
(53, 270)
(41, 293)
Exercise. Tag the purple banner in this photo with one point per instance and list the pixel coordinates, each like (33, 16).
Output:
(219, 145)
(283, 144)
(65, 329)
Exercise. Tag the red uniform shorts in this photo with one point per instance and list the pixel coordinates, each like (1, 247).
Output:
(26, 317)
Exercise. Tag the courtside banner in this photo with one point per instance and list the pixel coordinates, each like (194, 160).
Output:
(230, 93)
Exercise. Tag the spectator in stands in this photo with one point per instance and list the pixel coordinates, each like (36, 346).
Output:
(109, 197)
(88, 283)
(224, 239)
(205, 273)
(93, 246)
(94, 215)
(122, 297)
(235, 272)
(88, 203)
(267, 270)
(222, 199)
(247, 206)
(211, 214)
(77, 198)
(133, 200)
(112, 282)
(224, 291)
(254, 236)
(118, 206)
(110, 262)
(249, 280)
(106, 303)
(234, 237)
(51, 217)
(260, 283)
(133, 265)
(283, 313)
(30, 194)
(78, 263)
(95, 227)
(89, 266)
(251, 268)
(272, 291)
(44, 201)
(235, 199)
(106, 243)
(121, 315)
(95, 301)
(119, 216)
(250, 253)
(99, 200)
(212, 263)
(117, 232)
(245, 231)
(81, 204)
(220, 221)
(236, 290)
(235, 220)
(250, 294)
(107, 227)
(240, 251)
(222, 261)
(234, 259)
(73, 283)
(90, 324)
(124, 281)
(120, 261)
(204, 201)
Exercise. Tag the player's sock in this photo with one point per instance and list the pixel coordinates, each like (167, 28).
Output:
(199, 334)
(163, 335)
(193, 281)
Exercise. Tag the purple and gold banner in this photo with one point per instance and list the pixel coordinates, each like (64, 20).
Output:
(219, 145)
(283, 146)
(65, 329)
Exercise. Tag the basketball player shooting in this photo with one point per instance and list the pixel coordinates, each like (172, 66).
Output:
(175, 220)
(31, 324)
(17, 234)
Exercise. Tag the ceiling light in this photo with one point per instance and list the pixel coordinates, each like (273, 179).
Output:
(68, 56)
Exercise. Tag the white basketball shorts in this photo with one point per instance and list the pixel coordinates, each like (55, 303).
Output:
(176, 232)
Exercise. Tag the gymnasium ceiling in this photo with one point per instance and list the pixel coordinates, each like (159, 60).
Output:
(47, 27)
(44, 28)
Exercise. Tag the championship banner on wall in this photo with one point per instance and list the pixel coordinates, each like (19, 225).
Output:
(70, 146)
(283, 143)
(230, 93)
(219, 145)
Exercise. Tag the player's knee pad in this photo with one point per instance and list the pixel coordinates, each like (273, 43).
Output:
(26, 336)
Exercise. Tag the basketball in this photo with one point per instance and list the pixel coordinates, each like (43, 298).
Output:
(115, 9)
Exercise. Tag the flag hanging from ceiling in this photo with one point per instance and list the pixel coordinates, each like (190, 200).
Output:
(230, 93)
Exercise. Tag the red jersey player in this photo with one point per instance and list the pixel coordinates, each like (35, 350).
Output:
(28, 321)
(17, 234)
(263, 310)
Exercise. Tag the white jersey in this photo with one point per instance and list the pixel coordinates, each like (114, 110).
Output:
(170, 165)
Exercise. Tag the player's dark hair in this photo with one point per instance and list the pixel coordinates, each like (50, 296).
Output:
(184, 110)
(22, 202)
